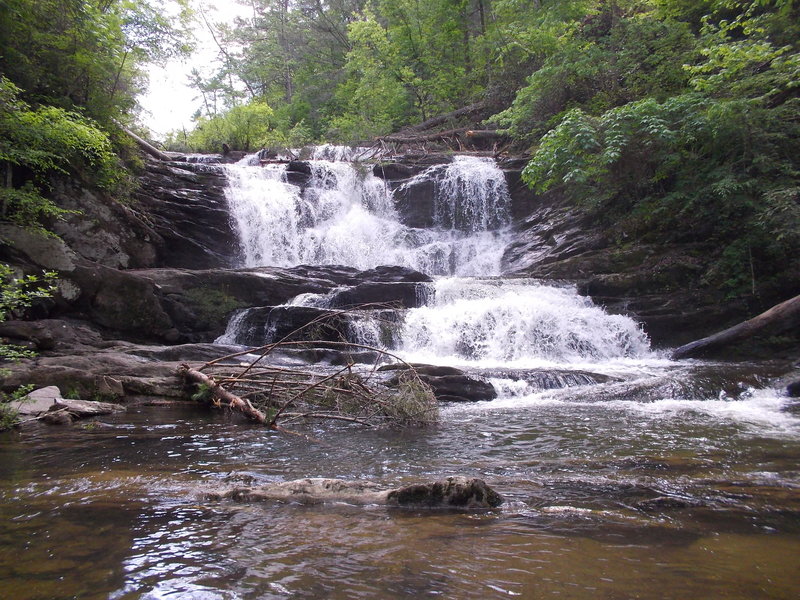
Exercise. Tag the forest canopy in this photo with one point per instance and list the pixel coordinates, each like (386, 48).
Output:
(70, 72)
(669, 120)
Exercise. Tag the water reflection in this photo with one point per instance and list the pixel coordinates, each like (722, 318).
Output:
(603, 500)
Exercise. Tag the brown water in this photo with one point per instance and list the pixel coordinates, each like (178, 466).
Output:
(605, 499)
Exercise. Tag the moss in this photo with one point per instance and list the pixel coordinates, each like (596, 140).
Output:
(212, 306)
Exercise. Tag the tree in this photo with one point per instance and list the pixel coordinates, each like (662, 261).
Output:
(85, 54)
(35, 145)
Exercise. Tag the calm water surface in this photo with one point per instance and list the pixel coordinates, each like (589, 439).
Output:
(608, 496)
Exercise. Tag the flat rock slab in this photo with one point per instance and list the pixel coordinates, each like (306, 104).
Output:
(39, 401)
(460, 493)
(87, 408)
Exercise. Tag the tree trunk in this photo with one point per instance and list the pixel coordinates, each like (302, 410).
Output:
(780, 318)
(434, 121)
(146, 146)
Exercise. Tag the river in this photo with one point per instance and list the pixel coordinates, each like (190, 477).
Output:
(656, 479)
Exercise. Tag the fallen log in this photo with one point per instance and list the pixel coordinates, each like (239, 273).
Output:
(485, 135)
(146, 146)
(220, 393)
(438, 120)
(778, 319)
(424, 137)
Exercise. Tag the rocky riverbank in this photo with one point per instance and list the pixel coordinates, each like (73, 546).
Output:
(148, 284)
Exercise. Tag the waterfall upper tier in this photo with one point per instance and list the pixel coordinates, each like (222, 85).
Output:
(344, 214)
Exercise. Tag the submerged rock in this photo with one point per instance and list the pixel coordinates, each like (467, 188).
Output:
(449, 384)
(453, 492)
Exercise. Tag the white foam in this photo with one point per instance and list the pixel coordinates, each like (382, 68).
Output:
(493, 323)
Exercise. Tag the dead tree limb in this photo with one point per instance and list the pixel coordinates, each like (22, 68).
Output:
(219, 392)
(146, 146)
(402, 138)
(438, 120)
(781, 317)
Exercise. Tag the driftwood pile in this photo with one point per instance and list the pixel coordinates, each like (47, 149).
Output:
(457, 138)
(274, 395)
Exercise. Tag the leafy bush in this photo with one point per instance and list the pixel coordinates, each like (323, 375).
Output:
(38, 143)
(16, 294)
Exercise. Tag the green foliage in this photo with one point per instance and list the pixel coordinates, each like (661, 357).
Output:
(18, 293)
(690, 168)
(373, 96)
(606, 62)
(8, 413)
(244, 127)
(85, 55)
(36, 144)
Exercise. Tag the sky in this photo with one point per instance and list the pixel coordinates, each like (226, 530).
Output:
(169, 102)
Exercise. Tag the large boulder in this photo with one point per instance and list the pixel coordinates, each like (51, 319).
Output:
(104, 230)
(448, 384)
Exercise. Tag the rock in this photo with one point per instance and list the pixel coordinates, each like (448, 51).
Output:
(422, 369)
(269, 324)
(793, 389)
(660, 503)
(39, 401)
(200, 303)
(448, 383)
(415, 202)
(86, 408)
(90, 374)
(59, 417)
(105, 230)
(53, 334)
(400, 295)
(45, 252)
(460, 388)
(452, 492)
(298, 172)
(186, 203)
(394, 171)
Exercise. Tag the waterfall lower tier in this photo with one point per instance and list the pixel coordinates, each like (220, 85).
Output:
(481, 322)
(516, 321)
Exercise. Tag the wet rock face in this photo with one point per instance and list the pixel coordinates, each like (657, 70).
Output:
(448, 384)
(103, 230)
(186, 204)
(656, 284)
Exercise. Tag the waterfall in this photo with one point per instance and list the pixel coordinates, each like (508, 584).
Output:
(345, 215)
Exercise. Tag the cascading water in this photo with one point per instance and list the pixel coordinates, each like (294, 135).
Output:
(624, 474)
(346, 215)
(501, 322)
